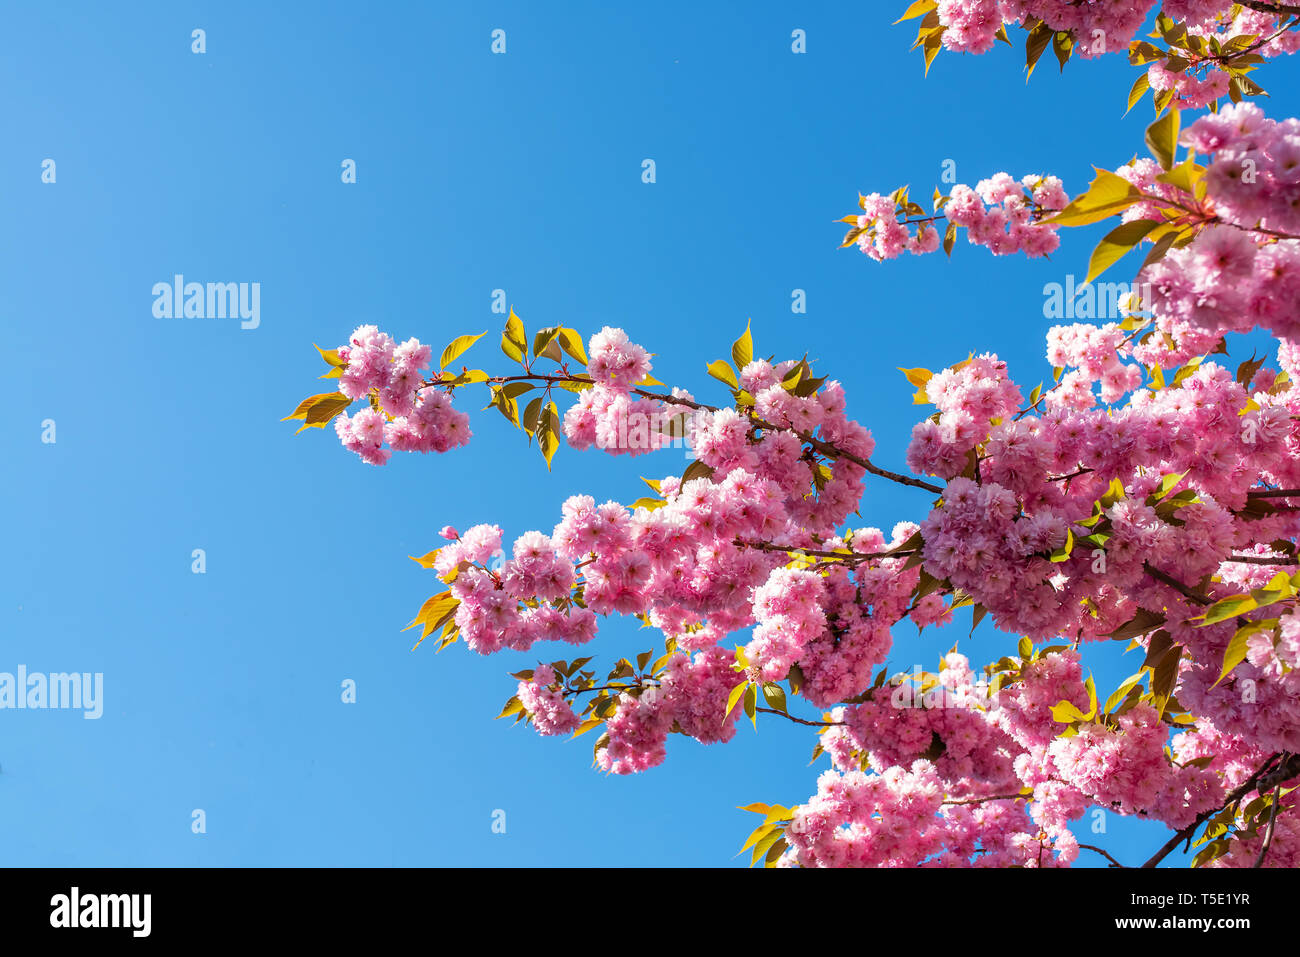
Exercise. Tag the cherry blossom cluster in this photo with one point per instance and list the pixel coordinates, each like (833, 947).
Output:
(1190, 92)
(545, 703)
(492, 614)
(1093, 355)
(1001, 214)
(971, 26)
(405, 414)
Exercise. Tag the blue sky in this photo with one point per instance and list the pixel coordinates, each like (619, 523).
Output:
(475, 172)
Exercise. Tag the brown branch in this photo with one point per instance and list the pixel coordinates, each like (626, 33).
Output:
(811, 724)
(989, 797)
(1287, 770)
(1113, 862)
(1269, 6)
(1174, 583)
(826, 448)
(1272, 823)
(820, 553)
(1066, 478)
(1274, 493)
(1262, 560)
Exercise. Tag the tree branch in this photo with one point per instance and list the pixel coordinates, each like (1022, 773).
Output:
(1287, 770)
(1272, 823)
(1113, 862)
(811, 724)
(1174, 583)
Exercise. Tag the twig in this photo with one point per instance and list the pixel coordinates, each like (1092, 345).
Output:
(1289, 769)
(1113, 862)
(1263, 560)
(1274, 493)
(811, 724)
(1272, 822)
(1174, 583)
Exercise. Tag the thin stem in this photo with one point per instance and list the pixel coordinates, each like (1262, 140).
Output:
(820, 553)
(1066, 478)
(1274, 493)
(989, 797)
(1174, 583)
(811, 724)
(1262, 560)
(820, 445)
(1269, 6)
(1272, 823)
(1113, 862)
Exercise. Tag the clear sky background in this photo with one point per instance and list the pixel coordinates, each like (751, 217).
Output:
(475, 172)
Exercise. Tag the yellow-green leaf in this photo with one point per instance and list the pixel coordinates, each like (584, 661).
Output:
(1116, 243)
(918, 9)
(1107, 195)
(571, 343)
(742, 350)
(1229, 607)
(514, 340)
(1235, 653)
(548, 435)
(427, 559)
(723, 373)
(456, 347)
(732, 698)
(1162, 138)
